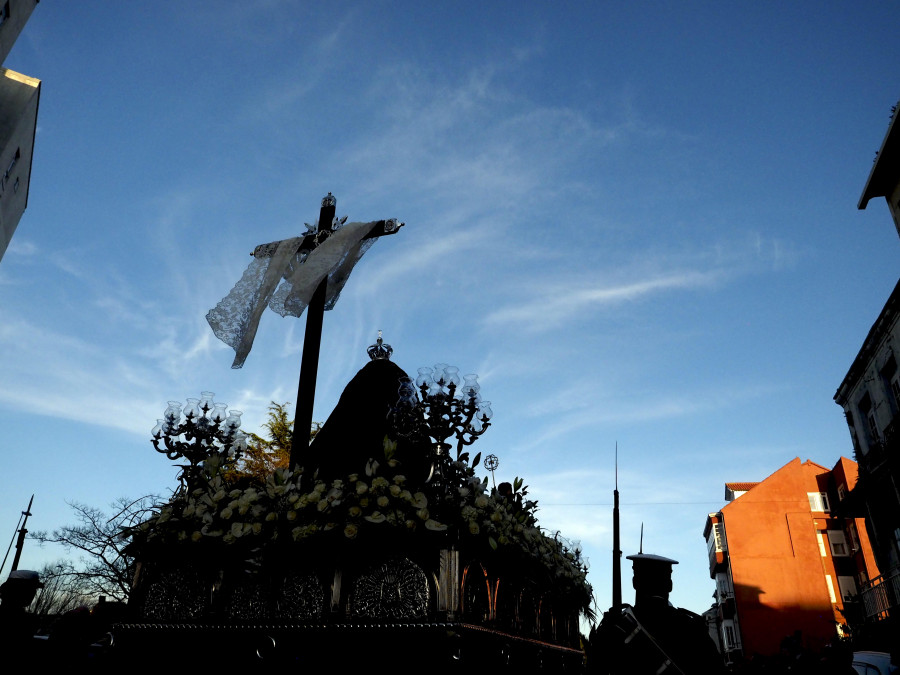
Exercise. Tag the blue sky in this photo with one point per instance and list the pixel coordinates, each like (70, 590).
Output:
(636, 221)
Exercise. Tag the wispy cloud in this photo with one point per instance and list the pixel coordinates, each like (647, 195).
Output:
(22, 247)
(556, 294)
(586, 407)
(556, 305)
(50, 373)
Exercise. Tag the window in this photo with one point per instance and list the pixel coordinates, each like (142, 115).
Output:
(722, 585)
(728, 638)
(873, 428)
(838, 543)
(868, 414)
(848, 588)
(854, 535)
(716, 541)
(842, 492)
(889, 380)
(13, 162)
(831, 589)
(818, 501)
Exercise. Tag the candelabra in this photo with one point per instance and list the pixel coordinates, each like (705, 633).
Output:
(440, 406)
(200, 432)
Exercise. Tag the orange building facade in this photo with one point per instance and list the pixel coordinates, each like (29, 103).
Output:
(783, 560)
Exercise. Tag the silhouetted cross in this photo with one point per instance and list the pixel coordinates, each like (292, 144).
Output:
(300, 263)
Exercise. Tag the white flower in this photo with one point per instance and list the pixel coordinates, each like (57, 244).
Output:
(350, 531)
(420, 501)
(237, 529)
(376, 517)
(383, 501)
(206, 532)
(435, 525)
(227, 513)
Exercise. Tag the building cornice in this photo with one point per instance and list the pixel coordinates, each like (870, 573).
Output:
(883, 176)
(870, 345)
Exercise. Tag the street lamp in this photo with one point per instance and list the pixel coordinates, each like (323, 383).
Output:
(199, 431)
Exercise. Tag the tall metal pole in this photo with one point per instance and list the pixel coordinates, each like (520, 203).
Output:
(617, 553)
(312, 340)
(22, 532)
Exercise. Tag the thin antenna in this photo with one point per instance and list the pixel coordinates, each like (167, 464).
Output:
(617, 553)
(641, 549)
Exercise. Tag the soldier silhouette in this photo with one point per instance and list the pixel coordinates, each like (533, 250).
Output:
(653, 636)
(17, 626)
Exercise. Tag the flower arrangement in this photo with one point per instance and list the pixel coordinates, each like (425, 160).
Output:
(289, 507)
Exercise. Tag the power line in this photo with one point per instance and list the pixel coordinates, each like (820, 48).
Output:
(632, 503)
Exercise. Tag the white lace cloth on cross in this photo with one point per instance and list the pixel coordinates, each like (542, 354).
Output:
(285, 280)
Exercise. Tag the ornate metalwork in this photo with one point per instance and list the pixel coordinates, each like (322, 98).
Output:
(177, 595)
(380, 351)
(491, 462)
(205, 433)
(476, 594)
(302, 597)
(397, 589)
(249, 599)
(437, 406)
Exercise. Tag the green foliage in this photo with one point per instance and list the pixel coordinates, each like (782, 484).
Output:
(265, 455)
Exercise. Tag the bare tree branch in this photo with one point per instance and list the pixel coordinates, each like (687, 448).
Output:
(105, 568)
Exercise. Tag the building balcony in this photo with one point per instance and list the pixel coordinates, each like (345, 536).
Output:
(881, 595)
(726, 609)
(716, 543)
(718, 561)
(882, 452)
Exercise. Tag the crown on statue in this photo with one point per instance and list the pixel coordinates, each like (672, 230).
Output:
(380, 350)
